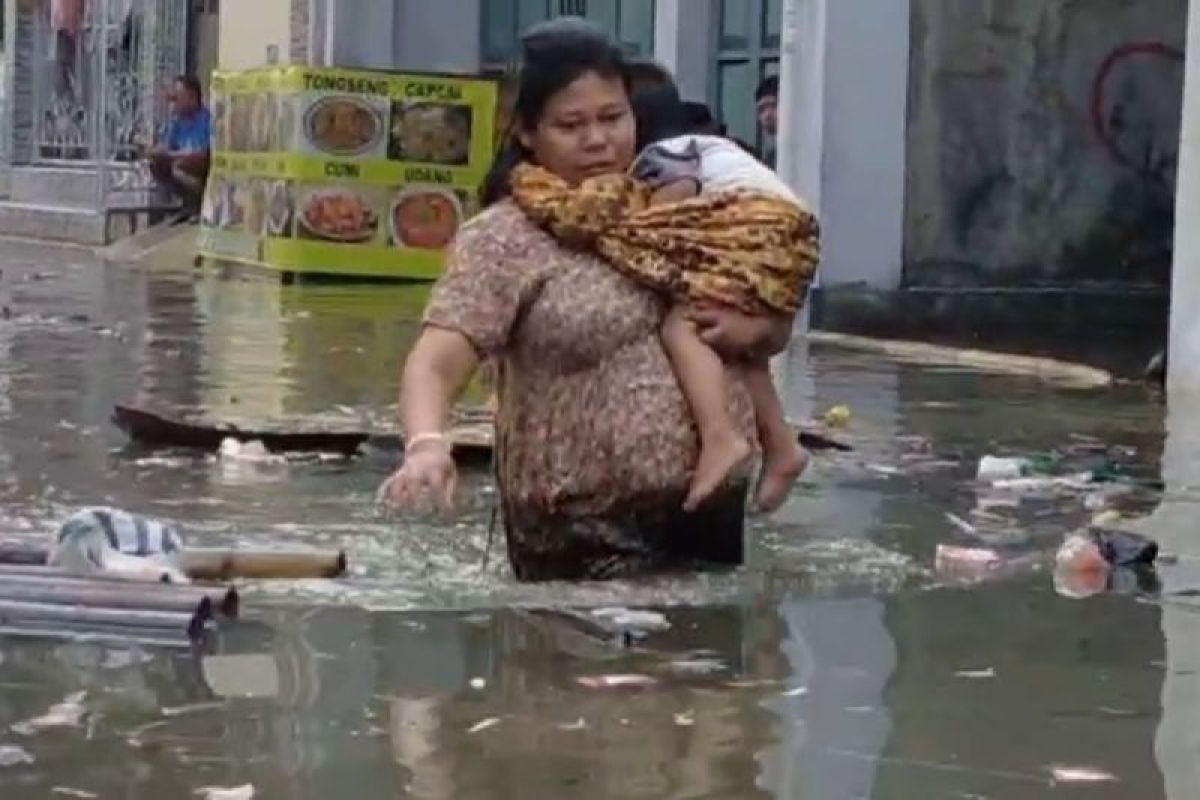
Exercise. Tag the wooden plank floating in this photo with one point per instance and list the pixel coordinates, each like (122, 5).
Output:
(472, 435)
(202, 564)
(1046, 369)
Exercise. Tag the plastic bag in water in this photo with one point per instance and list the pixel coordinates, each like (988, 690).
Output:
(1124, 549)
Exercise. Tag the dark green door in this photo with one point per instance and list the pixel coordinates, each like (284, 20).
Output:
(746, 47)
(631, 22)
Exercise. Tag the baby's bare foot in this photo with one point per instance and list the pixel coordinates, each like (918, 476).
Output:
(719, 456)
(781, 468)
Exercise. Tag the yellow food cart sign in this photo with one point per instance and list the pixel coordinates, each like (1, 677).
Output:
(344, 172)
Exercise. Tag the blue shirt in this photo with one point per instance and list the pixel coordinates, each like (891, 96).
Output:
(192, 134)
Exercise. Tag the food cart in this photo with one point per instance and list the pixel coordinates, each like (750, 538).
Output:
(344, 172)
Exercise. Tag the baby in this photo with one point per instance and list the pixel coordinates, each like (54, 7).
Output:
(677, 168)
(699, 220)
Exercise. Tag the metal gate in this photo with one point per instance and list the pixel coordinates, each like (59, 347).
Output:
(99, 89)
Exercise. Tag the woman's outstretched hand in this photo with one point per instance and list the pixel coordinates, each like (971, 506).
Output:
(427, 478)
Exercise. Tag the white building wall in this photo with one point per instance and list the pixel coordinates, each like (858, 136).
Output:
(1185, 289)
(1174, 522)
(844, 86)
(364, 34)
(441, 36)
(683, 45)
(248, 30)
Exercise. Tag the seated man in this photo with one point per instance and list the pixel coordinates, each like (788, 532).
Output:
(180, 163)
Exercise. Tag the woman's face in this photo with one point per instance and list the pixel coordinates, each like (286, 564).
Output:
(587, 129)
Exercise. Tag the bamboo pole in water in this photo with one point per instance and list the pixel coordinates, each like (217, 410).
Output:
(218, 565)
(225, 600)
(21, 554)
(16, 612)
(112, 595)
(114, 634)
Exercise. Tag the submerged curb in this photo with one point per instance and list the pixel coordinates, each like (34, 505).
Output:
(1046, 369)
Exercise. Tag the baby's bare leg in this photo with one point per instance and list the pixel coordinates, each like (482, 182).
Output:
(701, 376)
(674, 192)
(784, 459)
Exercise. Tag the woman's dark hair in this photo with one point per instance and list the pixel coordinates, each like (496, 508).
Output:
(554, 55)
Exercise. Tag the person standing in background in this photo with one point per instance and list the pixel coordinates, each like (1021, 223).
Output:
(66, 24)
(766, 99)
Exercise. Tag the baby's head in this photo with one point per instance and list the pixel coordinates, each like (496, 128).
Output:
(657, 106)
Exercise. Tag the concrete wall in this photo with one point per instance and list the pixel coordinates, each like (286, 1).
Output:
(441, 36)
(861, 205)
(248, 29)
(1042, 140)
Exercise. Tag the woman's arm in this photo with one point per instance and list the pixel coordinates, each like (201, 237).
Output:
(435, 374)
(437, 369)
(742, 337)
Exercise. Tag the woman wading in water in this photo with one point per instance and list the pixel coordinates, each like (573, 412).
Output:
(596, 444)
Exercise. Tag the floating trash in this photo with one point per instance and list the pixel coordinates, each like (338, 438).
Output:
(951, 559)
(630, 619)
(254, 452)
(233, 793)
(992, 468)
(1065, 774)
(483, 725)
(13, 756)
(976, 674)
(698, 666)
(961, 524)
(67, 714)
(616, 681)
(838, 416)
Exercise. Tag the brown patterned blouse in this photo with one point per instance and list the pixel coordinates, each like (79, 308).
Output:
(592, 421)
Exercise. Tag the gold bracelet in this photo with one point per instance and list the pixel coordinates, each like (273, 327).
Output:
(422, 438)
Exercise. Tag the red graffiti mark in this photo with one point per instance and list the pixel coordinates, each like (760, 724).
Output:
(1100, 85)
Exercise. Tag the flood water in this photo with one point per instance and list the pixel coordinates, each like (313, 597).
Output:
(837, 665)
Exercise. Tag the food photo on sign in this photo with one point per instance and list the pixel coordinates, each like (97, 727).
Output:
(345, 126)
(425, 217)
(341, 214)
